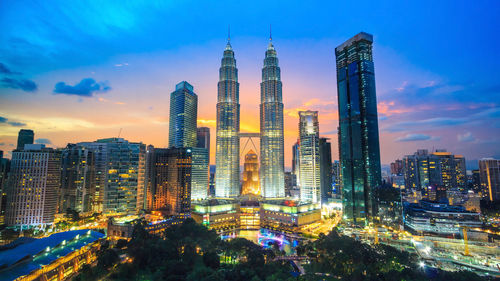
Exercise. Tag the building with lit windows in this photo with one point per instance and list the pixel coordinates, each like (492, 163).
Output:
(77, 179)
(251, 174)
(120, 175)
(325, 169)
(183, 116)
(358, 127)
(489, 174)
(272, 163)
(288, 215)
(227, 147)
(218, 214)
(33, 186)
(309, 157)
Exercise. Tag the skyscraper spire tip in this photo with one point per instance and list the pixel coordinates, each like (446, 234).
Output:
(270, 32)
(228, 32)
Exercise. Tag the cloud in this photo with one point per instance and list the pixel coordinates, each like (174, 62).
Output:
(432, 122)
(121, 64)
(22, 84)
(86, 88)
(43, 141)
(5, 70)
(333, 132)
(4, 120)
(416, 137)
(467, 137)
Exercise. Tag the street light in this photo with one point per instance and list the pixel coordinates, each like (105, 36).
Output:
(421, 264)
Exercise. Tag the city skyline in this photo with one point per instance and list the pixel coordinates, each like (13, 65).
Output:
(136, 79)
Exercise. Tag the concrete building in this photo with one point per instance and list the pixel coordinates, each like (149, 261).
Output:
(489, 173)
(309, 157)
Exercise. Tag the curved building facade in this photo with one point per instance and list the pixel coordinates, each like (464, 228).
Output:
(272, 166)
(227, 151)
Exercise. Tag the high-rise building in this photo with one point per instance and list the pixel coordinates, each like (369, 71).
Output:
(4, 172)
(183, 116)
(77, 179)
(325, 168)
(120, 175)
(309, 157)
(199, 173)
(358, 130)
(272, 163)
(227, 150)
(336, 177)
(25, 137)
(203, 138)
(171, 177)
(251, 174)
(34, 182)
(489, 173)
(397, 167)
(290, 183)
(296, 162)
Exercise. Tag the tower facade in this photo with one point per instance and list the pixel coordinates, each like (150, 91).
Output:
(359, 137)
(309, 157)
(251, 174)
(272, 164)
(227, 150)
(25, 137)
(183, 116)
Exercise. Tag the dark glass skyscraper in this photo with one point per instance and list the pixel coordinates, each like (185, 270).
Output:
(227, 150)
(272, 164)
(359, 138)
(183, 116)
(25, 137)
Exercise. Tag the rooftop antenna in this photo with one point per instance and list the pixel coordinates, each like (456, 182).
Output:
(228, 32)
(120, 132)
(270, 33)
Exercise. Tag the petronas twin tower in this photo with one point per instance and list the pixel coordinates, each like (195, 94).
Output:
(227, 157)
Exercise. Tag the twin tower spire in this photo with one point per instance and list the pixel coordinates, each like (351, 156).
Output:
(227, 155)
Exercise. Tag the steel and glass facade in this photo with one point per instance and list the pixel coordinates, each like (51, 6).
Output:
(227, 150)
(183, 116)
(359, 137)
(272, 166)
(309, 157)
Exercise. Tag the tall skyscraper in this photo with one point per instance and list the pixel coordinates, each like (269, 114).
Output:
(309, 157)
(183, 116)
(359, 137)
(199, 173)
(227, 150)
(325, 168)
(25, 137)
(203, 138)
(4, 172)
(251, 174)
(120, 175)
(489, 174)
(77, 179)
(296, 162)
(272, 163)
(34, 182)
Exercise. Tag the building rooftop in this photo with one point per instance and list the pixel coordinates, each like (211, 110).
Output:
(358, 37)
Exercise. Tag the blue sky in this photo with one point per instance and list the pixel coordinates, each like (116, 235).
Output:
(115, 63)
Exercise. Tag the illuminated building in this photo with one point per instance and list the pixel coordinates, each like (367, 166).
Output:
(489, 173)
(438, 218)
(120, 175)
(203, 138)
(296, 162)
(251, 174)
(183, 116)
(4, 172)
(218, 214)
(288, 215)
(325, 168)
(358, 127)
(272, 165)
(309, 157)
(290, 183)
(34, 182)
(249, 213)
(171, 180)
(227, 149)
(24, 137)
(77, 179)
(336, 177)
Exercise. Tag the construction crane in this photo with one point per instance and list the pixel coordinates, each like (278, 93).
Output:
(466, 242)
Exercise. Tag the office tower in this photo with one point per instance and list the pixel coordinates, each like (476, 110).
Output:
(120, 172)
(227, 150)
(272, 164)
(421, 170)
(325, 168)
(25, 137)
(171, 177)
(203, 138)
(296, 162)
(358, 130)
(336, 177)
(77, 179)
(476, 181)
(489, 173)
(4, 172)
(183, 116)
(290, 183)
(453, 171)
(251, 174)
(199, 173)
(149, 178)
(309, 157)
(397, 167)
(34, 182)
